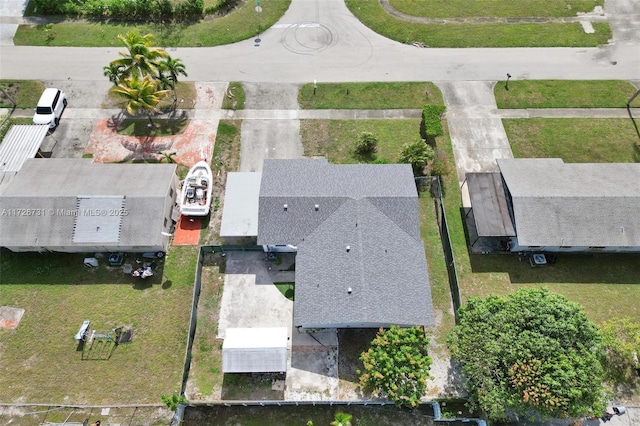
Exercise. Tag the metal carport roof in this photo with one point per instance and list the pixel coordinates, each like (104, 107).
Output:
(21, 142)
(489, 204)
(255, 350)
(240, 212)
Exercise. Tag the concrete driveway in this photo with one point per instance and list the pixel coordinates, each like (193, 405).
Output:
(262, 139)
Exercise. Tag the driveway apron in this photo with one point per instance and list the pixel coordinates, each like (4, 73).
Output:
(477, 134)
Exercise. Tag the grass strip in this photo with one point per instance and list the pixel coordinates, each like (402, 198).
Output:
(494, 8)
(564, 94)
(368, 95)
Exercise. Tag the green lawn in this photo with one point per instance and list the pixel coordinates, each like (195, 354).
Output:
(41, 361)
(564, 94)
(335, 138)
(478, 34)
(575, 140)
(369, 95)
(25, 93)
(494, 8)
(243, 23)
(144, 128)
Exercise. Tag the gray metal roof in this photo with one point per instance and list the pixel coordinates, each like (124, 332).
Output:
(373, 209)
(53, 190)
(240, 210)
(488, 200)
(79, 176)
(575, 204)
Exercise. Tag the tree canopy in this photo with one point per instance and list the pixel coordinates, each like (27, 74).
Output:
(397, 365)
(531, 352)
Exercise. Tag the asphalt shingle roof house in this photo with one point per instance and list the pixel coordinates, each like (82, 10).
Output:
(73, 205)
(360, 258)
(558, 206)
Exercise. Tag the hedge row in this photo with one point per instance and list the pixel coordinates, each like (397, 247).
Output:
(129, 10)
(431, 120)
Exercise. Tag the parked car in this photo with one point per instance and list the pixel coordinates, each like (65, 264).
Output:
(50, 107)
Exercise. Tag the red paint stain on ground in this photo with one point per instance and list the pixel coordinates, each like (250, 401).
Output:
(193, 145)
(187, 232)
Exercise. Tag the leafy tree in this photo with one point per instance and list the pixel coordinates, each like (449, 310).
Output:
(140, 93)
(397, 365)
(366, 144)
(621, 341)
(113, 72)
(418, 154)
(341, 419)
(173, 401)
(531, 352)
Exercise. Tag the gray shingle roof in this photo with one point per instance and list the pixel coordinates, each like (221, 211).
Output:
(576, 204)
(53, 188)
(385, 266)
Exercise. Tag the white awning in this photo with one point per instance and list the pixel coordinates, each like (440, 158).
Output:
(255, 350)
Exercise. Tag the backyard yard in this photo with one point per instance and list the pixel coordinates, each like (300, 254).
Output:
(40, 362)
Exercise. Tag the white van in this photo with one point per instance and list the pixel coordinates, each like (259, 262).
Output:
(50, 107)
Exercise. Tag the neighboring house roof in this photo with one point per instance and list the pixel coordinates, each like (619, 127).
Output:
(373, 210)
(73, 202)
(575, 204)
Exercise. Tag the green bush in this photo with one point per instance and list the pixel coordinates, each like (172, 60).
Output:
(431, 126)
(366, 144)
(397, 365)
(418, 154)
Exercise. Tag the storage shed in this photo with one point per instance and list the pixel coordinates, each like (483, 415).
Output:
(255, 350)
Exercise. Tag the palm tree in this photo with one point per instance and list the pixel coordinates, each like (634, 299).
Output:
(140, 93)
(112, 72)
(141, 58)
(169, 69)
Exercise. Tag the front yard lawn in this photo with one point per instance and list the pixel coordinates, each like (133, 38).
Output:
(575, 140)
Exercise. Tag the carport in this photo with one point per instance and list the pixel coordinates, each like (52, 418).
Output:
(255, 350)
(21, 142)
(240, 213)
(489, 211)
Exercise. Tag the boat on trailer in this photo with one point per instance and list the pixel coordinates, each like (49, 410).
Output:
(196, 191)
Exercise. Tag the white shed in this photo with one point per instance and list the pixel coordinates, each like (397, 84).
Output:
(255, 350)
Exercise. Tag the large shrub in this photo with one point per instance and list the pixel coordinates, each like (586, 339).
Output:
(397, 365)
(530, 353)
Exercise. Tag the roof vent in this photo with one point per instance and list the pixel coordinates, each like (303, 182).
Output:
(349, 290)
(348, 249)
(285, 207)
(317, 207)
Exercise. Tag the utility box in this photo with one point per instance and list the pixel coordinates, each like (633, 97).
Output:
(255, 350)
